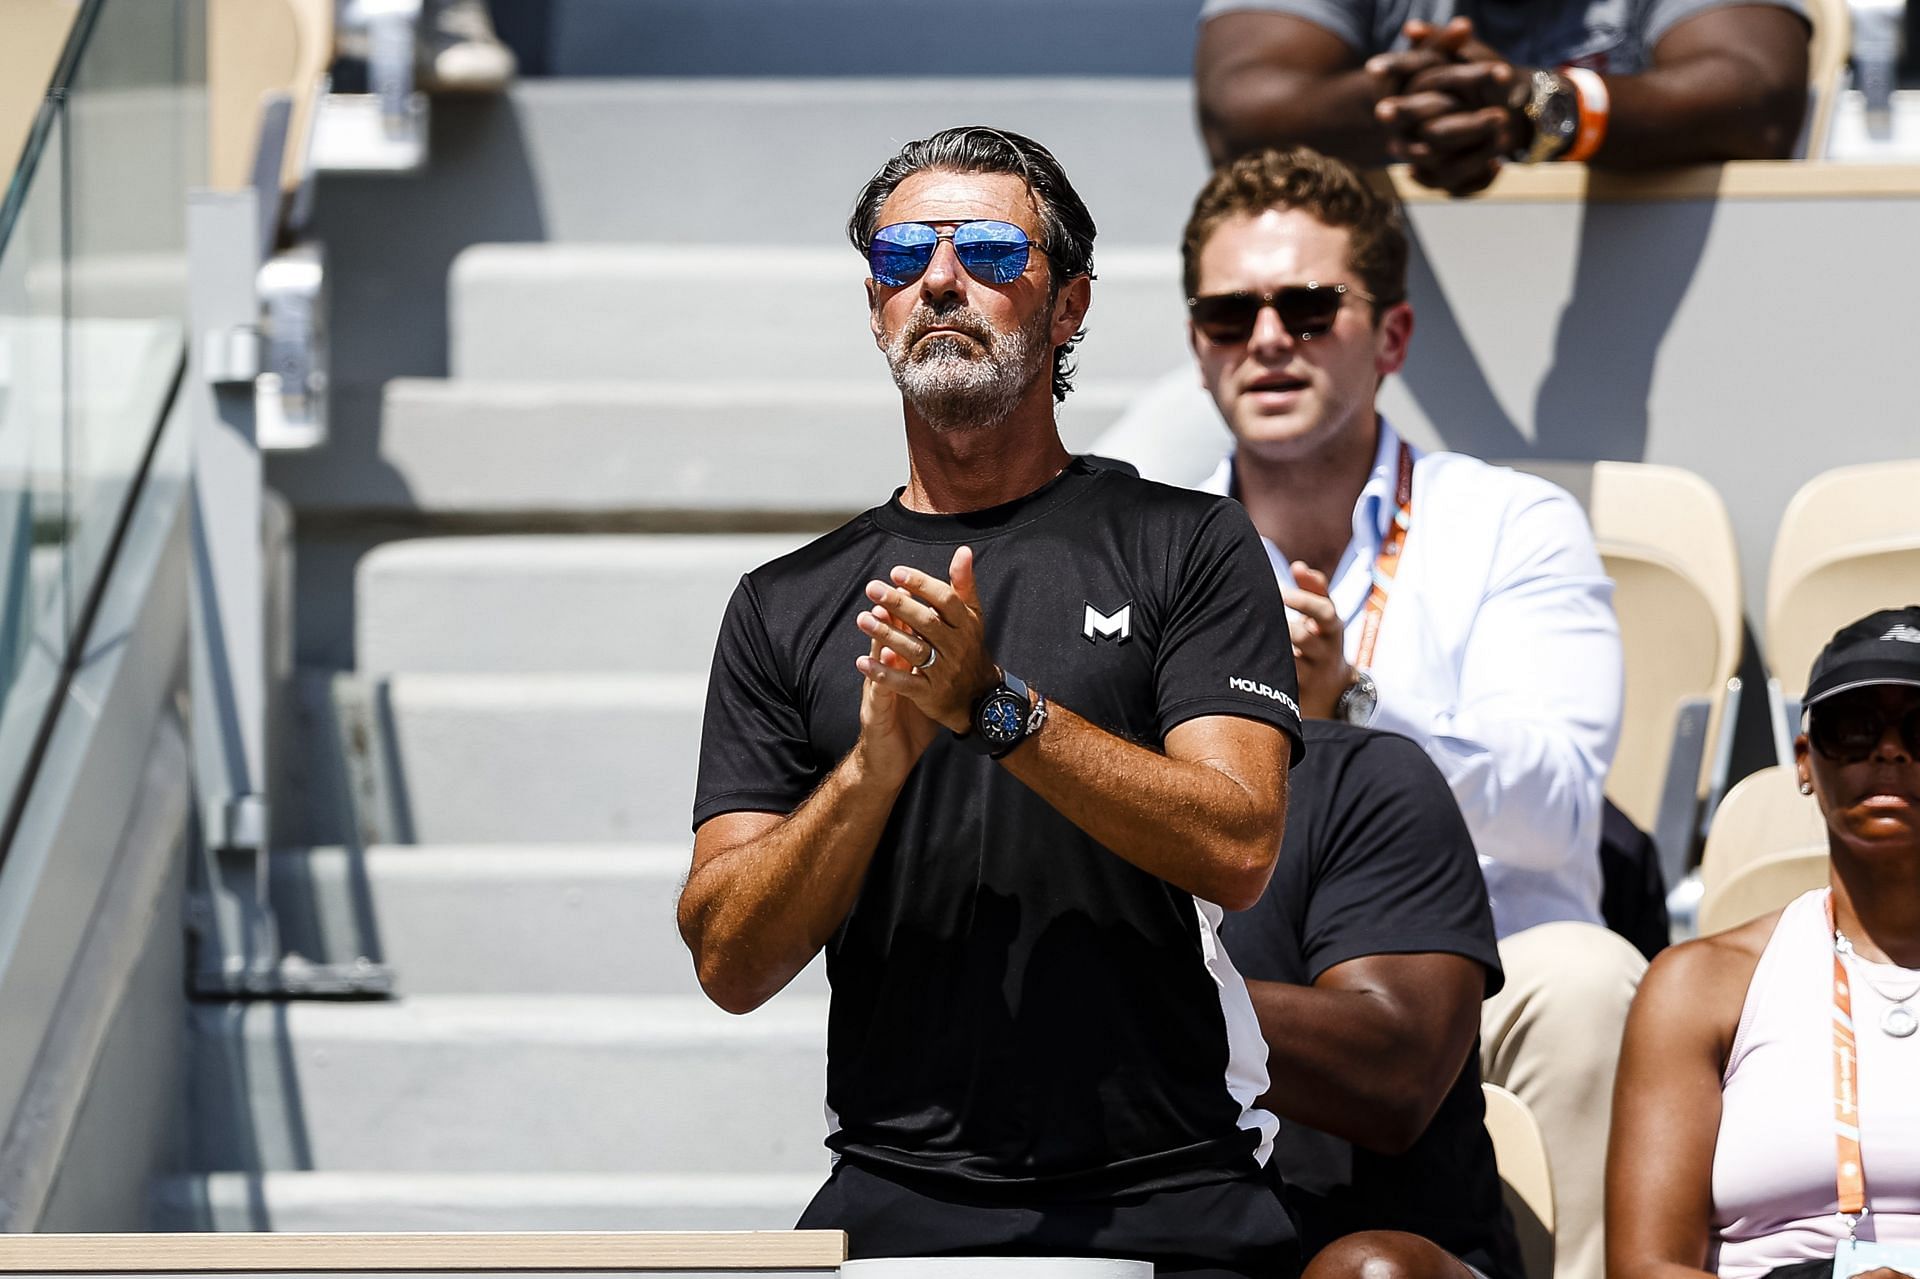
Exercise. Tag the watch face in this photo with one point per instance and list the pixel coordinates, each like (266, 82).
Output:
(1002, 718)
(1560, 116)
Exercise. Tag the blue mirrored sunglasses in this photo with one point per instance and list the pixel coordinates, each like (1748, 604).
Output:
(991, 252)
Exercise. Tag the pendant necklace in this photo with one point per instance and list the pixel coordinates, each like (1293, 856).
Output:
(1899, 1020)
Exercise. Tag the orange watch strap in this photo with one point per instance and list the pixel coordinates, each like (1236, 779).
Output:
(1595, 104)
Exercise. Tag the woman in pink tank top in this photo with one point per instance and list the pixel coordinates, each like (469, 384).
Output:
(1766, 1115)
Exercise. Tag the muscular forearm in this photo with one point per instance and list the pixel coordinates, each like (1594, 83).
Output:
(1267, 79)
(1192, 822)
(756, 911)
(1705, 110)
(1335, 1062)
(1255, 107)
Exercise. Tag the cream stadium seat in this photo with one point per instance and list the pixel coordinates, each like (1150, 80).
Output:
(1666, 541)
(1762, 816)
(1848, 544)
(1521, 1153)
(1827, 56)
(1760, 886)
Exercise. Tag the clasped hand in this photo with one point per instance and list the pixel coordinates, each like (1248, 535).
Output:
(1450, 105)
(927, 660)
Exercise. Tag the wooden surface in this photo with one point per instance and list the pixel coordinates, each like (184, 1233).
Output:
(1745, 180)
(256, 48)
(476, 1252)
(32, 34)
(253, 49)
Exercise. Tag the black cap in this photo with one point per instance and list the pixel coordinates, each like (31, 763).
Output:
(1880, 648)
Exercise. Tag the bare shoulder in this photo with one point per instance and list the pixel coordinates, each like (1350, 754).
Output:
(1697, 988)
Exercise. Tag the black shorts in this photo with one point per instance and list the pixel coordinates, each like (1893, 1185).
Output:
(1232, 1230)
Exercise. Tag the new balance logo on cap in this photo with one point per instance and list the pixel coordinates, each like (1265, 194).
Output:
(1239, 685)
(1117, 627)
(1904, 633)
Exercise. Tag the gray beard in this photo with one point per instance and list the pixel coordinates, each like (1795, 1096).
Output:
(951, 383)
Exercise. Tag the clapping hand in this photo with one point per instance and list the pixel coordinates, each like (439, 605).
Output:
(929, 641)
(1319, 642)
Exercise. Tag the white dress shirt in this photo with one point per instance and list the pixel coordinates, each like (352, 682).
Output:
(1499, 653)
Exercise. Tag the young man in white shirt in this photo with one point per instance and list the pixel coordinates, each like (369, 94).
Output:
(1460, 604)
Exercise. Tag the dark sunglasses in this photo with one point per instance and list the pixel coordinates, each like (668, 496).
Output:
(1306, 310)
(991, 252)
(1848, 729)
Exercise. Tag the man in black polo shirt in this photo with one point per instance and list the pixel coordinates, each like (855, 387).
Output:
(1036, 1045)
(1367, 959)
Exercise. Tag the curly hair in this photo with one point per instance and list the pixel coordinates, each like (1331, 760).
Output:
(1066, 228)
(1331, 191)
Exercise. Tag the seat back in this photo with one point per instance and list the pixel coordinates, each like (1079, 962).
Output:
(1848, 584)
(1762, 816)
(1520, 1151)
(1847, 513)
(1665, 539)
(1827, 55)
(1673, 651)
(1761, 886)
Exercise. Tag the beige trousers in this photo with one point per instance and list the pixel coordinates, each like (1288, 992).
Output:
(1552, 1036)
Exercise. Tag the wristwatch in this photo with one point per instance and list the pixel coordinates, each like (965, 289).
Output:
(1003, 717)
(1358, 701)
(1552, 106)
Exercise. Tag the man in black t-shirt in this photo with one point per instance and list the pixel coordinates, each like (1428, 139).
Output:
(1367, 959)
(1035, 1044)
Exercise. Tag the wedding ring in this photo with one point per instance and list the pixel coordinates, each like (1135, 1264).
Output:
(933, 655)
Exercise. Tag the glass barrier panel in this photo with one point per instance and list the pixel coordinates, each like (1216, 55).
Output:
(34, 595)
(136, 141)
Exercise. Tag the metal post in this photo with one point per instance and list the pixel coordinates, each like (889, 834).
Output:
(227, 614)
(239, 952)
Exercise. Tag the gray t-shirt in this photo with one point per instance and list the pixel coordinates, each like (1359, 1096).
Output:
(1611, 36)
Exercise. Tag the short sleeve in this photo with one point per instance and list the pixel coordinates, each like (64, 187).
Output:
(754, 752)
(1664, 15)
(1398, 874)
(1224, 646)
(1350, 20)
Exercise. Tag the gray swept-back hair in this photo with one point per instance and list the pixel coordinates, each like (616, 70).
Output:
(1066, 228)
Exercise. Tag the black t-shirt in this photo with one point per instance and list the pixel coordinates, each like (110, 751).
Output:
(1014, 1006)
(1377, 861)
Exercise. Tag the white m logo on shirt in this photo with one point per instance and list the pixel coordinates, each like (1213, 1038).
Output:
(1118, 627)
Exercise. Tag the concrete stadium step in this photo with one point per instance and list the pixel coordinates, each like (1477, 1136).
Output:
(807, 453)
(325, 1202)
(557, 602)
(501, 920)
(455, 1083)
(515, 759)
(741, 314)
(852, 37)
(663, 158)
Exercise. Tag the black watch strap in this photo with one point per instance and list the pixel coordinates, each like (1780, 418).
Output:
(1001, 718)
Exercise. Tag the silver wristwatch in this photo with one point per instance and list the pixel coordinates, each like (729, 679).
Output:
(1356, 704)
(1552, 107)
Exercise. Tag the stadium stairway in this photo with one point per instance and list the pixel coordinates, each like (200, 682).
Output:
(552, 458)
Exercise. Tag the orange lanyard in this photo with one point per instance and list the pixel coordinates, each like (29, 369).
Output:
(1851, 1177)
(1388, 562)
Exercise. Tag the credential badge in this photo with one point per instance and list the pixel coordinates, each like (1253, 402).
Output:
(1117, 627)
